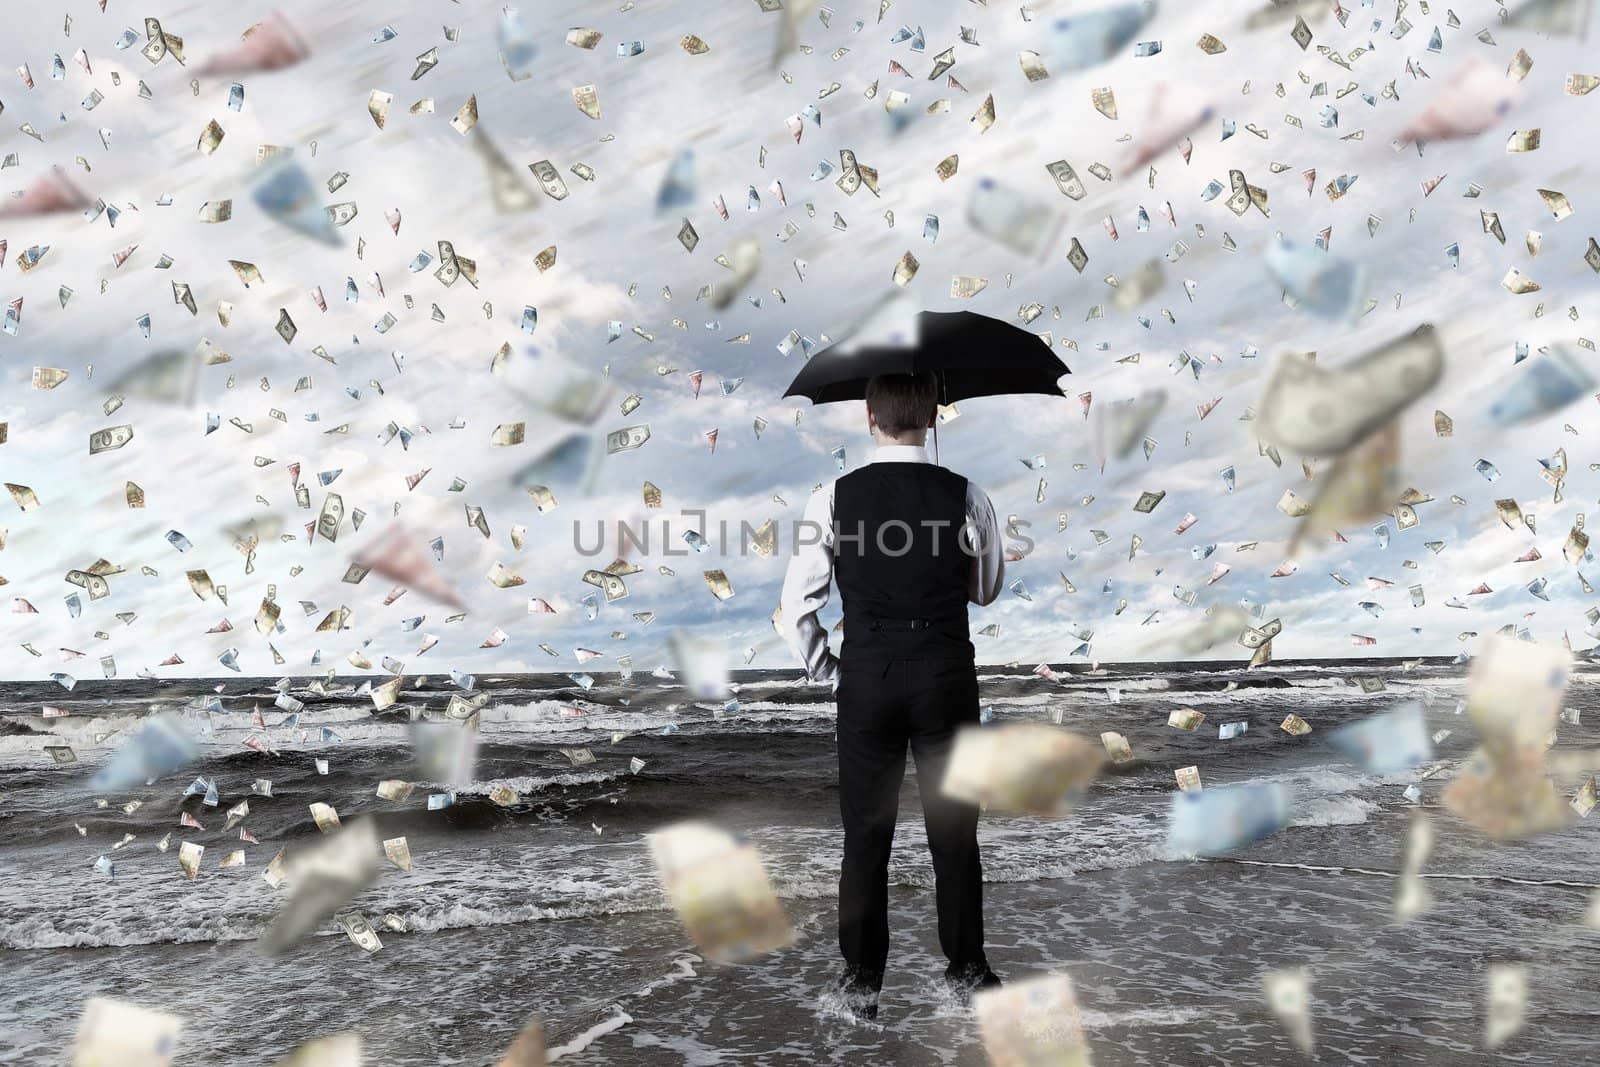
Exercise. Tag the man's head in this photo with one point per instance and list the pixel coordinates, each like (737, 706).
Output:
(901, 407)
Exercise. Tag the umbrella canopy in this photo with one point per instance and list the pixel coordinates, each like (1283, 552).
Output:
(974, 355)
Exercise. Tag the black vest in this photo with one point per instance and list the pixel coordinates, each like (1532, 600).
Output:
(901, 563)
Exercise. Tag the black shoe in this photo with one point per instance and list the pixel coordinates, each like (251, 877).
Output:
(970, 978)
(858, 989)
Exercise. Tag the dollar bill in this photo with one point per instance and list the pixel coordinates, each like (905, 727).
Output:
(60, 754)
(1147, 501)
(1067, 179)
(610, 584)
(360, 931)
(285, 327)
(343, 213)
(579, 757)
(687, 237)
(97, 587)
(1077, 256)
(549, 179)
(109, 439)
(627, 439)
(1323, 412)
(1301, 33)
(331, 517)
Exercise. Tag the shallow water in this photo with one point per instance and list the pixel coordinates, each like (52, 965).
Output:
(552, 908)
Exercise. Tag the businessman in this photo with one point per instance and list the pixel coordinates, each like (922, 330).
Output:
(909, 543)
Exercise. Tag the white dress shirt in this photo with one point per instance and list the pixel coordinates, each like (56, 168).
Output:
(809, 578)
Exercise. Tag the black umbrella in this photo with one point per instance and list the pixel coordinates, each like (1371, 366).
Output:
(972, 354)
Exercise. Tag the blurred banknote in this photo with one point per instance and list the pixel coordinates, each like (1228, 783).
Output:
(1220, 820)
(1542, 385)
(1033, 1023)
(1289, 996)
(702, 663)
(1087, 39)
(115, 1033)
(287, 194)
(528, 1048)
(1515, 689)
(336, 1050)
(1386, 743)
(1323, 412)
(1012, 218)
(1320, 282)
(720, 890)
(321, 877)
(1021, 766)
(161, 747)
(446, 753)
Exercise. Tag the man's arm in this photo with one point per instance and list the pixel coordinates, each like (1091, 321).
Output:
(988, 557)
(805, 589)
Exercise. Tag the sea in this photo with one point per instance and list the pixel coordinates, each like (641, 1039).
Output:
(551, 908)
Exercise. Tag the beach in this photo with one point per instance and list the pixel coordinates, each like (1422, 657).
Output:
(551, 908)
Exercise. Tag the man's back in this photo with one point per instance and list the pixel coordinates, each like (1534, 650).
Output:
(900, 555)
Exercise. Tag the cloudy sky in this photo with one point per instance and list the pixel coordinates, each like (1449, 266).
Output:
(718, 121)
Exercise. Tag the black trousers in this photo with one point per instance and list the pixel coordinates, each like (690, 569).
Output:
(883, 707)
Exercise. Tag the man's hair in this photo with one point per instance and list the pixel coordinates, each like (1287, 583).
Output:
(901, 403)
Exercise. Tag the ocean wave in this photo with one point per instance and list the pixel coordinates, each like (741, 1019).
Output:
(529, 783)
(1140, 1018)
(40, 933)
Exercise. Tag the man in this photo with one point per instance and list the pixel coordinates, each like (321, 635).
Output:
(909, 544)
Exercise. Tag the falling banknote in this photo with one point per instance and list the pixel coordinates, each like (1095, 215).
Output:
(720, 890)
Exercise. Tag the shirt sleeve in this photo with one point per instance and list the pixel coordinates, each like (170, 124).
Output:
(988, 557)
(806, 585)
